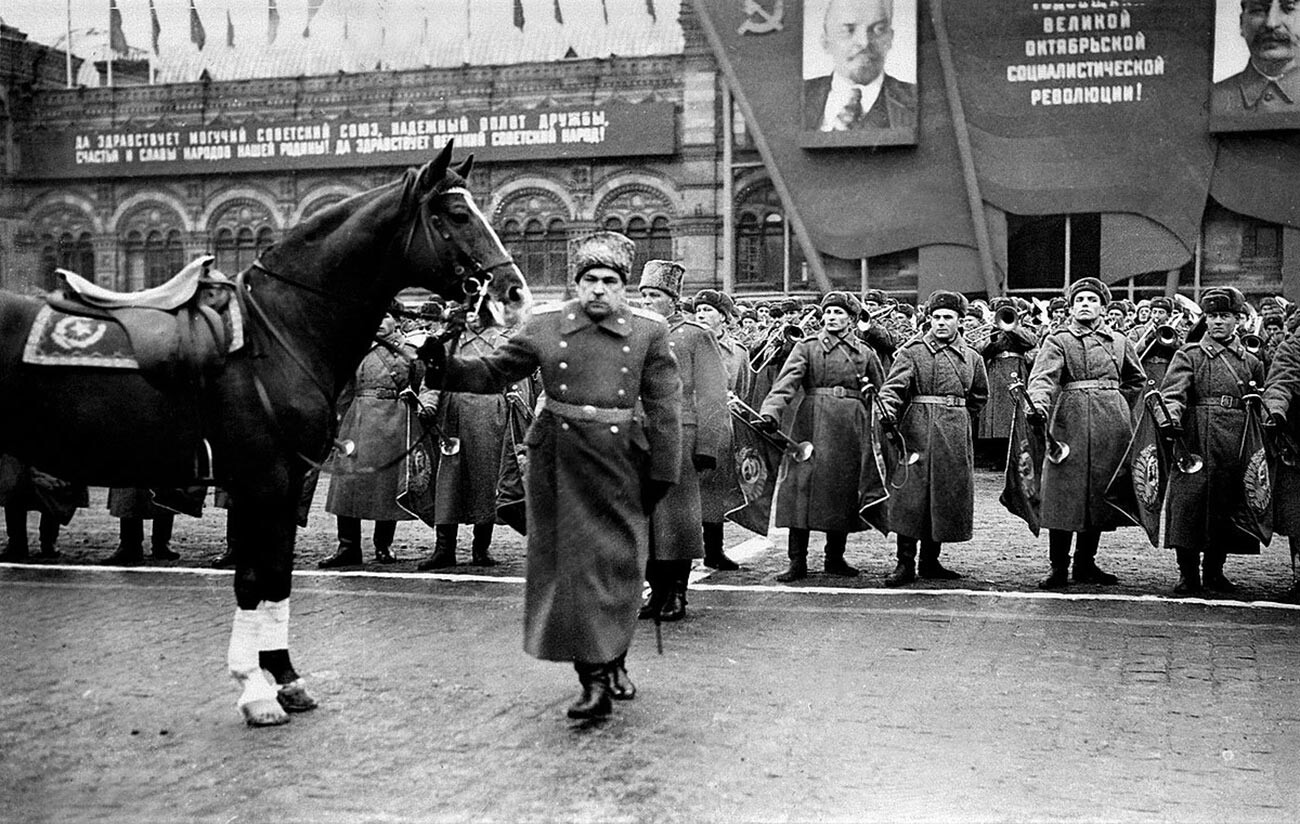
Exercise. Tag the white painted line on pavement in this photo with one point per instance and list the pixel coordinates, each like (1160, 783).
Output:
(768, 589)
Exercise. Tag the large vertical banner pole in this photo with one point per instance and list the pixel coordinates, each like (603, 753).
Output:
(983, 243)
(728, 193)
(764, 150)
(67, 46)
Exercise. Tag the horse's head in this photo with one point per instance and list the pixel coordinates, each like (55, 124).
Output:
(453, 230)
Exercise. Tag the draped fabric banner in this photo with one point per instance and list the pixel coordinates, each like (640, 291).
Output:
(1022, 487)
(1138, 487)
(1258, 175)
(755, 462)
(1253, 513)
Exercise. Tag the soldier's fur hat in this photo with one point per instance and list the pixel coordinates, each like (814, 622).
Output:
(601, 249)
(1223, 299)
(664, 275)
(874, 296)
(1056, 303)
(1088, 285)
(718, 300)
(943, 299)
(1162, 302)
(845, 301)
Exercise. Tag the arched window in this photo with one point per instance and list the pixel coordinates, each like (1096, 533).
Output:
(653, 238)
(133, 249)
(236, 250)
(760, 248)
(76, 253)
(163, 256)
(540, 249)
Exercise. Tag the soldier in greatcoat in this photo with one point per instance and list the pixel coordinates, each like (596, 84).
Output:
(1202, 391)
(712, 309)
(1083, 378)
(936, 385)
(1007, 355)
(1153, 353)
(598, 462)
(466, 483)
(1282, 402)
(374, 417)
(675, 534)
(823, 379)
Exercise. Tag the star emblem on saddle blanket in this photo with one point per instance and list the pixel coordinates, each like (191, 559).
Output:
(78, 333)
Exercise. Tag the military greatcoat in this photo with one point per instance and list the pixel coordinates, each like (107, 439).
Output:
(466, 486)
(715, 484)
(588, 458)
(675, 533)
(1086, 378)
(1007, 357)
(1282, 397)
(932, 391)
(822, 378)
(373, 418)
(1202, 389)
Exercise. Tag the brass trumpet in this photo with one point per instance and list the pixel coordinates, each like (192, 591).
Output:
(798, 451)
(1057, 451)
(1166, 336)
(1187, 461)
(1006, 318)
(1253, 343)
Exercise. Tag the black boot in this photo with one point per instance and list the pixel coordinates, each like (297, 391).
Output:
(384, 532)
(621, 687)
(714, 556)
(1058, 542)
(678, 574)
(835, 564)
(444, 549)
(479, 549)
(595, 701)
(49, 530)
(659, 575)
(929, 566)
(1212, 573)
(16, 530)
(905, 571)
(798, 552)
(1189, 573)
(130, 548)
(1086, 570)
(349, 551)
(160, 541)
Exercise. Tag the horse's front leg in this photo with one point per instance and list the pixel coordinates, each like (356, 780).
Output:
(262, 540)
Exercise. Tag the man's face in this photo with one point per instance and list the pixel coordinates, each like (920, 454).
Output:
(858, 34)
(709, 316)
(1220, 326)
(387, 326)
(1160, 316)
(835, 319)
(1058, 315)
(748, 324)
(1272, 332)
(1086, 308)
(764, 314)
(657, 300)
(1143, 314)
(601, 292)
(943, 324)
(1271, 29)
(1115, 317)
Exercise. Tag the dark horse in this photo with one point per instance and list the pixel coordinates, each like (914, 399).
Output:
(310, 305)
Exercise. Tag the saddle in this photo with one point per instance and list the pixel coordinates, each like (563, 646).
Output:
(173, 332)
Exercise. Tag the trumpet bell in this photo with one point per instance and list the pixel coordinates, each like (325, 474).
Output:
(913, 457)
(449, 446)
(1253, 343)
(1190, 464)
(346, 447)
(801, 452)
(1006, 318)
(1058, 452)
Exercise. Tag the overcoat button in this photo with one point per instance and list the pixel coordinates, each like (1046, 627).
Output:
(614, 429)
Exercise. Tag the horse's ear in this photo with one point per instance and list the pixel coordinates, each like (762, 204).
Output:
(434, 171)
(463, 168)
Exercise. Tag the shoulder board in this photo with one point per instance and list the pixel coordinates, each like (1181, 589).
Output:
(690, 321)
(647, 314)
(915, 340)
(547, 307)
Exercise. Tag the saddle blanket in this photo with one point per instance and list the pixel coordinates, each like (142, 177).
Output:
(60, 339)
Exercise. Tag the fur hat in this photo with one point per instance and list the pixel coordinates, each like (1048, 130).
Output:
(608, 249)
(997, 303)
(1223, 299)
(843, 300)
(1089, 285)
(664, 275)
(943, 299)
(1162, 302)
(1056, 303)
(749, 314)
(718, 300)
(874, 296)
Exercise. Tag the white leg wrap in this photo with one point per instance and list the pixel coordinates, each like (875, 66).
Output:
(241, 657)
(275, 624)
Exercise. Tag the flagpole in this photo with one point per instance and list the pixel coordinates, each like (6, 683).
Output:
(108, 40)
(67, 46)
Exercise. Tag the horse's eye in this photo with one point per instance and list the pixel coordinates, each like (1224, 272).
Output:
(460, 216)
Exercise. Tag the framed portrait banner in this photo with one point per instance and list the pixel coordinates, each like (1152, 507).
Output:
(1256, 69)
(859, 73)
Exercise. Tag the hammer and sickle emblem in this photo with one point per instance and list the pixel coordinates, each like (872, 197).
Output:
(767, 22)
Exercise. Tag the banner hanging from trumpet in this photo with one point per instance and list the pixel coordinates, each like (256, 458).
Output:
(1022, 489)
(1253, 512)
(754, 466)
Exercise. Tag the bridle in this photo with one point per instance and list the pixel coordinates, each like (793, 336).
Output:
(474, 282)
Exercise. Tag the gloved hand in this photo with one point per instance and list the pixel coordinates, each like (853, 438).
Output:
(704, 463)
(435, 363)
(1035, 417)
(652, 492)
(428, 415)
(408, 397)
(768, 424)
(888, 423)
(1272, 419)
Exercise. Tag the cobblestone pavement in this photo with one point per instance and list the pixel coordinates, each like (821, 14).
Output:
(1003, 556)
(769, 704)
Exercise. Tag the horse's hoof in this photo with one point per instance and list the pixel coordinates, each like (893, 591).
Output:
(264, 713)
(294, 698)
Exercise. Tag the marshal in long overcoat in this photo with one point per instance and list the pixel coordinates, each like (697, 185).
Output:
(466, 485)
(1282, 396)
(1202, 389)
(675, 533)
(823, 379)
(937, 501)
(375, 420)
(1086, 378)
(588, 535)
